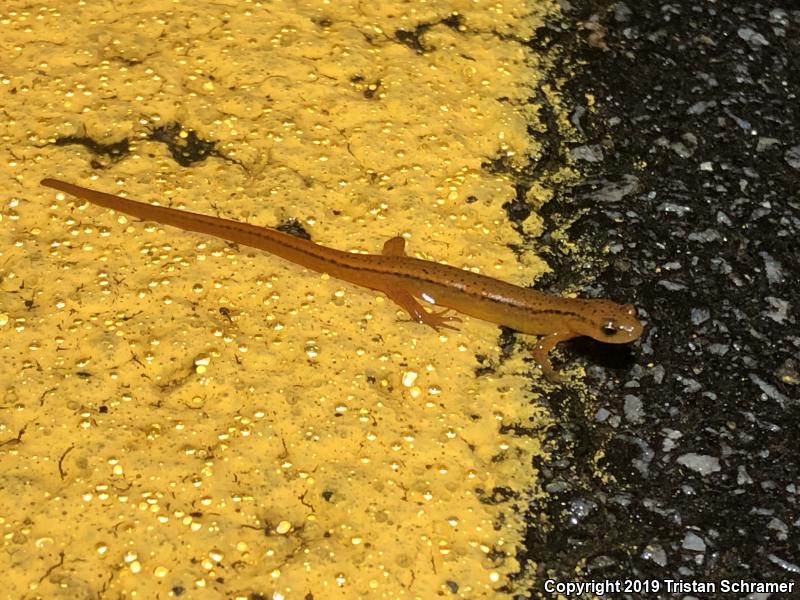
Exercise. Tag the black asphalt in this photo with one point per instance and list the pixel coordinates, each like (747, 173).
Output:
(690, 161)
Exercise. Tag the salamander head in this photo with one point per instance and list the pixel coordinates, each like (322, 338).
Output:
(608, 322)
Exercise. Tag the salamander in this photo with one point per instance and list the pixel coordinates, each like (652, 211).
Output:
(405, 279)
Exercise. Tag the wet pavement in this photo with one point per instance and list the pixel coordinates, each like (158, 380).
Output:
(690, 155)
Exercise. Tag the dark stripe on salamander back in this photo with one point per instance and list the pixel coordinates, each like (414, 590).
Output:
(345, 260)
(316, 252)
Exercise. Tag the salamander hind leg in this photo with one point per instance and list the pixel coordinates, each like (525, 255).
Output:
(437, 320)
(395, 246)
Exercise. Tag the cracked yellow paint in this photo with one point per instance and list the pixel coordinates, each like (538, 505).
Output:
(181, 417)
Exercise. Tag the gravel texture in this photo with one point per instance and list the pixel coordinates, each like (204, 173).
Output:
(691, 163)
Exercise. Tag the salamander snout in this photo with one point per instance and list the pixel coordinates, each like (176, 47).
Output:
(617, 324)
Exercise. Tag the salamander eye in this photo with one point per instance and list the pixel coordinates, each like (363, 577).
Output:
(609, 328)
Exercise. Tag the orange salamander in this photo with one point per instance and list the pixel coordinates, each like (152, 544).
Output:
(404, 279)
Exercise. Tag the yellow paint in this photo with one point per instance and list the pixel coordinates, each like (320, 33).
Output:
(181, 416)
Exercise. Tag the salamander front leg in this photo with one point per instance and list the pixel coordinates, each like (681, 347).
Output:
(437, 320)
(542, 349)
